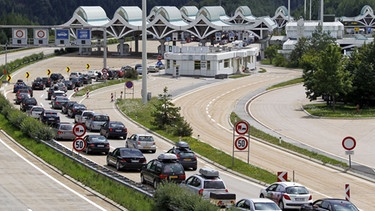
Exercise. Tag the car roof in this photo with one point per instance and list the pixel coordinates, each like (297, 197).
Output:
(258, 200)
(288, 184)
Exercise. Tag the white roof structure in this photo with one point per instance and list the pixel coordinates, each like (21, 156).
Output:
(281, 17)
(163, 21)
(365, 19)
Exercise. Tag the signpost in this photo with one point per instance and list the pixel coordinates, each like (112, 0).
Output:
(349, 144)
(48, 72)
(241, 139)
(129, 85)
(79, 130)
(79, 144)
(282, 176)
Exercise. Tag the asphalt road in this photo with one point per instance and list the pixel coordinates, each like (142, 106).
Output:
(207, 109)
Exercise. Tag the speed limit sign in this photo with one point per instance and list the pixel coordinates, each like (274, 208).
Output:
(241, 143)
(79, 144)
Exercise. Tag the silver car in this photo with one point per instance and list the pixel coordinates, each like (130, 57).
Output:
(64, 131)
(96, 121)
(142, 142)
(35, 111)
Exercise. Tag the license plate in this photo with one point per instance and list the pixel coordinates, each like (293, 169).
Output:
(187, 159)
(51, 118)
(100, 145)
(173, 177)
(146, 147)
(299, 199)
(118, 130)
(135, 161)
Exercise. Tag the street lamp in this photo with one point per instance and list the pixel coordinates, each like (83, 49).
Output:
(6, 58)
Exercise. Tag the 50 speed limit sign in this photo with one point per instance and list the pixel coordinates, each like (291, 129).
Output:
(79, 144)
(241, 143)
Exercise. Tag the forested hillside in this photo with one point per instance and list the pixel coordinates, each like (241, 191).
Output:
(50, 12)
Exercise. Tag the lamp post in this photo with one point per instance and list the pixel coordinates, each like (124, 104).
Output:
(144, 53)
(6, 58)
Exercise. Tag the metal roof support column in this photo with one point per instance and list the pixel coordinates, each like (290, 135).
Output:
(144, 53)
(105, 48)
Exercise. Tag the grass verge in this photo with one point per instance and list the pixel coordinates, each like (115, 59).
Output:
(107, 187)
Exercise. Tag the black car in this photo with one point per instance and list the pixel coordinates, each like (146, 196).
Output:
(86, 79)
(164, 169)
(73, 110)
(185, 155)
(112, 74)
(28, 103)
(126, 158)
(49, 117)
(77, 82)
(55, 77)
(65, 106)
(58, 101)
(20, 97)
(330, 204)
(114, 129)
(69, 84)
(46, 81)
(96, 144)
(19, 85)
(38, 84)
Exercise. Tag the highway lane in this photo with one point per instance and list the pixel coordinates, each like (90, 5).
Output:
(28, 184)
(214, 123)
(208, 111)
(99, 101)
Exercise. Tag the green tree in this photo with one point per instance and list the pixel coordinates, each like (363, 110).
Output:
(299, 50)
(167, 116)
(271, 52)
(327, 75)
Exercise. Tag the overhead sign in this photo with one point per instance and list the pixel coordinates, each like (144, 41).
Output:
(19, 33)
(40, 33)
(349, 143)
(48, 72)
(27, 74)
(241, 143)
(242, 127)
(62, 34)
(129, 84)
(79, 144)
(79, 130)
(83, 34)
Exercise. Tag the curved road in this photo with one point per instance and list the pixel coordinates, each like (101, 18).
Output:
(207, 109)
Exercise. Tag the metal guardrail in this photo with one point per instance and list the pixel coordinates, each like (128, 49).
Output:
(144, 189)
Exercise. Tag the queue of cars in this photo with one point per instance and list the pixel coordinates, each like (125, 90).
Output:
(171, 166)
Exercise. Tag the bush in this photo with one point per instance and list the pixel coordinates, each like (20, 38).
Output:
(171, 196)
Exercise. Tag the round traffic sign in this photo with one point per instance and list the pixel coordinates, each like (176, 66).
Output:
(79, 130)
(349, 143)
(160, 57)
(79, 144)
(241, 143)
(129, 84)
(40, 34)
(104, 70)
(19, 34)
(242, 127)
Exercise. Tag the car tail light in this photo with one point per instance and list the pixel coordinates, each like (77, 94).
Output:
(110, 129)
(163, 176)
(178, 156)
(310, 197)
(123, 160)
(125, 130)
(220, 203)
(182, 177)
(226, 190)
(91, 145)
(200, 192)
(139, 143)
(286, 197)
(107, 146)
(153, 143)
(59, 132)
(143, 160)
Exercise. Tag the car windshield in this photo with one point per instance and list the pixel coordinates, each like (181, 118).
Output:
(296, 190)
(37, 109)
(51, 113)
(214, 184)
(101, 118)
(116, 124)
(131, 153)
(66, 127)
(98, 139)
(173, 168)
(186, 154)
(344, 206)
(87, 113)
(146, 138)
(265, 206)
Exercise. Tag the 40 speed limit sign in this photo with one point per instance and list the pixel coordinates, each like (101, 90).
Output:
(241, 143)
(79, 144)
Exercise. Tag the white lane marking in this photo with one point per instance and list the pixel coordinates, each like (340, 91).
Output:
(53, 179)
